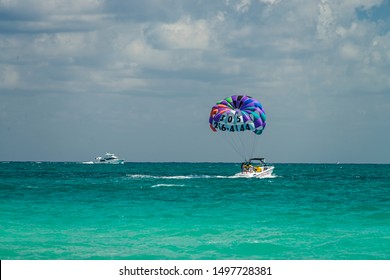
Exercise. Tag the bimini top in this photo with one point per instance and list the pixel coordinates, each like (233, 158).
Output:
(260, 159)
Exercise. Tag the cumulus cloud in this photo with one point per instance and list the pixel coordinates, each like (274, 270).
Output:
(326, 22)
(183, 34)
(243, 6)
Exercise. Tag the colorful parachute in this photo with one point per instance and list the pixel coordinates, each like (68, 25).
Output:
(243, 118)
(236, 114)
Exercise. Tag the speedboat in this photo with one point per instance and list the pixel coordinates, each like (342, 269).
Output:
(110, 159)
(255, 168)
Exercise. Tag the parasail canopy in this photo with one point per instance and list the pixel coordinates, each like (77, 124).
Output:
(238, 113)
(241, 119)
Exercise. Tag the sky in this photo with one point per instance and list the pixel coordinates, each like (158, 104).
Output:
(80, 78)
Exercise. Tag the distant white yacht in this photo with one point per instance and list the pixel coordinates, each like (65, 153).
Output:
(108, 158)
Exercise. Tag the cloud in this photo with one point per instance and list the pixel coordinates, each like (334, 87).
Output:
(37, 16)
(316, 66)
(326, 21)
(9, 77)
(243, 6)
(183, 34)
(350, 51)
(126, 47)
(52, 7)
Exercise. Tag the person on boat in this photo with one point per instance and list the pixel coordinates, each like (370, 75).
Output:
(246, 167)
(258, 169)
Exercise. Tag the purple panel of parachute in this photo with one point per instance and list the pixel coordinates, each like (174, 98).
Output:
(236, 114)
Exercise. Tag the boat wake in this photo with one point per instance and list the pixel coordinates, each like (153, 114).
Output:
(251, 176)
(185, 177)
(180, 177)
(167, 185)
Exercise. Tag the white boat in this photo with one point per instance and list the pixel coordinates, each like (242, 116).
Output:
(109, 158)
(255, 168)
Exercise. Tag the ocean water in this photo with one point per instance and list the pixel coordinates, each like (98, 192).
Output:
(193, 211)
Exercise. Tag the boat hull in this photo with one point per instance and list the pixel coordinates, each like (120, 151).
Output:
(263, 174)
(117, 161)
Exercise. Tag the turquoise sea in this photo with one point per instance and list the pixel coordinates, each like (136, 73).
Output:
(193, 211)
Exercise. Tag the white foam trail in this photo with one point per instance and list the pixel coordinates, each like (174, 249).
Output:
(183, 177)
(140, 176)
(166, 185)
(250, 176)
(180, 177)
